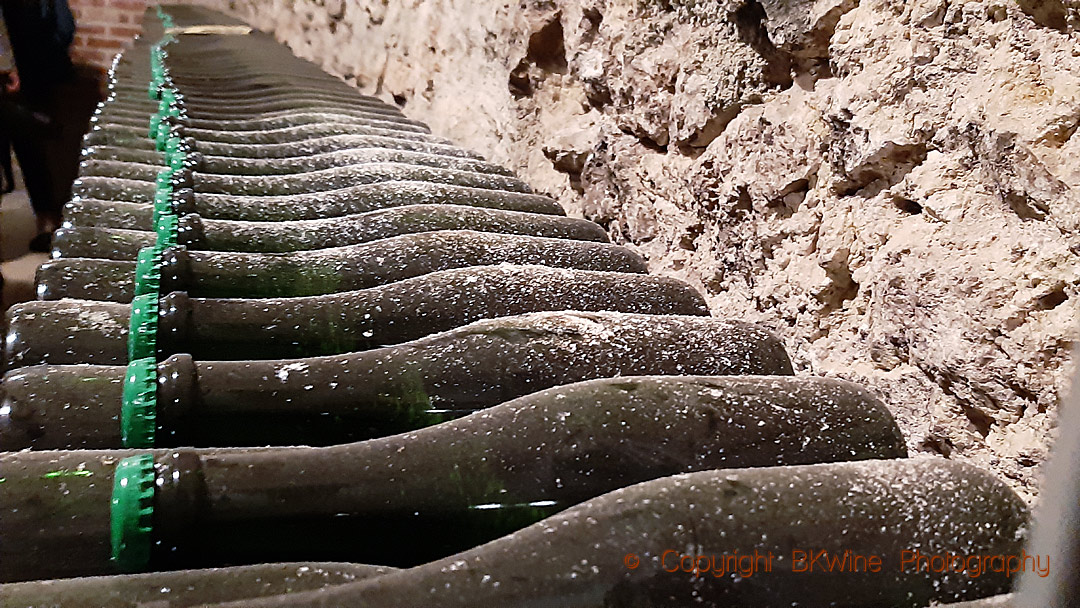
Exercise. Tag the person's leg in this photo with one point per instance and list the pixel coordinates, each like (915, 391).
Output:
(6, 169)
(74, 102)
(33, 160)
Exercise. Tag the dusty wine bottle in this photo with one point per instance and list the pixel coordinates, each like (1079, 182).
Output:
(86, 279)
(106, 188)
(260, 94)
(281, 237)
(627, 548)
(322, 145)
(275, 99)
(256, 107)
(205, 117)
(290, 121)
(222, 105)
(77, 331)
(147, 171)
(184, 588)
(108, 214)
(301, 116)
(354, 199)
(103, 243)
(248, 93)
(323, 114)
(453, 486)
(135, 137)
(137, 216)
(341, 150)
(255, 275)
(389, 389)
(325, 180)
(329, 125)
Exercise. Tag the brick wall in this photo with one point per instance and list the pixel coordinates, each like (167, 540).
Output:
(104, 28)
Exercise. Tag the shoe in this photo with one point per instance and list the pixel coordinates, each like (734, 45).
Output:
(41, 243)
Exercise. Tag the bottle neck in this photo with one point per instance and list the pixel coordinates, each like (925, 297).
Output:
(175, 269)
(175, 323)
(181, 504)
(177, 400)
(190, 231)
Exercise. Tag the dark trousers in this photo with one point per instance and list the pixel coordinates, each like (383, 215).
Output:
(30, 136)
(6, 170)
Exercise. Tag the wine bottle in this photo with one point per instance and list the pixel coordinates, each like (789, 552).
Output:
(265, 101)
(237, 77)
(105, 243)
(325, 180)
(256, 91)
(216, 116)
(81, 211)
(282, 120)
(318, 106)
(231, 329)
(322, 145)
(359, 198)
(239, 161)
(108, 214)
(627, 548)
(389, 389)
(306, 273)
(267, 96)
(108, 188)
(120, 135)
(471, 172)
(185, 588)
(342, 177)
(300, 125)
(148, 171)
(431, 492)
(326, 112)
(86, 279)
(387, 175)
(281, 237)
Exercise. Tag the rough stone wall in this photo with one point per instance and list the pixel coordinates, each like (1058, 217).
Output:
(893, 186)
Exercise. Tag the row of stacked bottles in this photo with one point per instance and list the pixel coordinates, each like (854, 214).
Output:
(504, 408)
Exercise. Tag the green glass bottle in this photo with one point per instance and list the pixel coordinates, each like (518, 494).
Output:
(78, 331)
(742, 528)
(323, 114)
(146, 169)
(87, 212)
(142, 189)
(278, 237)
(380, 391)
(345, 201)
(185, 588)
(323, 271)
(322, 145)
(349, 150)
(411, 498)
(135, 137)
(81, 212)
(274, 100)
